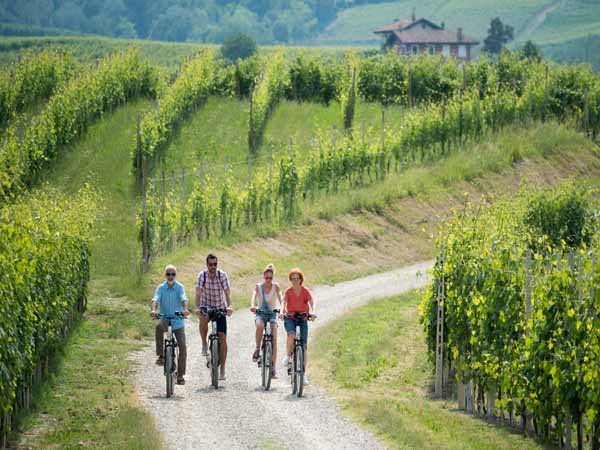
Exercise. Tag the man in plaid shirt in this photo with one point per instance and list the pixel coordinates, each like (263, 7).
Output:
(211, 285)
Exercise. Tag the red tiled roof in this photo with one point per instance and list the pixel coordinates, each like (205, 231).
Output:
(407, 32)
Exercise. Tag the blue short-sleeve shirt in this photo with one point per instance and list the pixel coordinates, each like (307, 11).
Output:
(170, 300)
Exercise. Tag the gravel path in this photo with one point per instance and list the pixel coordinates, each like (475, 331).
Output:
(240, 414)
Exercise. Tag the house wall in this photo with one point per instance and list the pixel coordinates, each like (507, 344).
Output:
(458, 51)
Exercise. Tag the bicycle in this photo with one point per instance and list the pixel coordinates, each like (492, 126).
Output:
(296, 371)
(214, 343)
(265, 361)
(170, 351)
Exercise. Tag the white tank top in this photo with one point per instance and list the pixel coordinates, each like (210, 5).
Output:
(271, 297)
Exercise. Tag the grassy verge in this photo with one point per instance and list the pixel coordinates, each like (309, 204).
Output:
(374, 360)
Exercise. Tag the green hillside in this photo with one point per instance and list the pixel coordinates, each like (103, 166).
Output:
(552, 24)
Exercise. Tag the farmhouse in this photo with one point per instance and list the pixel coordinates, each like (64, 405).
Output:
(415, 36)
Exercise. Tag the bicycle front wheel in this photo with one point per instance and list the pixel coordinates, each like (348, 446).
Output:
(299, 372)
(267, 363)
(169, 373)
(214, 362)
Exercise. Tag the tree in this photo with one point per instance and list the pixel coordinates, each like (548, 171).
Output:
(498, 35)
(531, 51)
(238, 46)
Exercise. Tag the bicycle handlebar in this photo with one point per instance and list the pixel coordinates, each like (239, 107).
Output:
(301, 316)
(208, 310)
(260, 311)
(177, 315)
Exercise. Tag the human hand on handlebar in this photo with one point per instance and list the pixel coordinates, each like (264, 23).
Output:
(253, 309)
(229, 311)
(153, 314)
(186, 313)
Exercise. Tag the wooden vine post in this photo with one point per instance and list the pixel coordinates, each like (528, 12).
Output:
(439, 340)
(145, 246)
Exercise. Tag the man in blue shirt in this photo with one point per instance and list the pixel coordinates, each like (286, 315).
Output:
(170, 298)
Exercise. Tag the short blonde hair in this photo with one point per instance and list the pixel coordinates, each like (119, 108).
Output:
(296, 271)
(170, 267)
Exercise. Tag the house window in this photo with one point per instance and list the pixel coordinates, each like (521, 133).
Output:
(462, 51)
(431, 50)
(446, 51)
(404, 49)
(415, 49)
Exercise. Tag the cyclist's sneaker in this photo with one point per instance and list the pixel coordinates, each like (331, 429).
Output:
(306, 383)
(204, 350)
(180, 379)
(222, 375)
(256, 355)
(160, 361)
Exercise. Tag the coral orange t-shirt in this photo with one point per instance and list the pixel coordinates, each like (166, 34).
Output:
(297, 303)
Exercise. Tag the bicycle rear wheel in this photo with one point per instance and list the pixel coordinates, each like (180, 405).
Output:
(299, 372)
(214, 362)
(267, 364)
(169, 377)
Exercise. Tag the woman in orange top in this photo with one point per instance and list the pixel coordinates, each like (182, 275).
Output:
(297, 299)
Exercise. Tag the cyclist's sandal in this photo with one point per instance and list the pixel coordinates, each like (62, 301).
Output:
(180, 379)
(160, 361)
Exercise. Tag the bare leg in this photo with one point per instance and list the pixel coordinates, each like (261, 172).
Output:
(223, 352)
(290, 343)
(203, 329)
(260, 328)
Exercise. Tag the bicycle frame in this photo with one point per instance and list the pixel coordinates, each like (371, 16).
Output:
(213, 356)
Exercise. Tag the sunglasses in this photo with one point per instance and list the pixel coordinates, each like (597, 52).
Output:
(212, 264)
(295, 278)
(268, 278)
(170, 274)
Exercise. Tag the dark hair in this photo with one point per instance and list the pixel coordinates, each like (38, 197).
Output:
(210, 256)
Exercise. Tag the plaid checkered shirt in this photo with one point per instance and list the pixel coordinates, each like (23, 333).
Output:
(214, 289)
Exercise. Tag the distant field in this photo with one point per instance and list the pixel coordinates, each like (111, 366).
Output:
(166, 54)
(573, 20)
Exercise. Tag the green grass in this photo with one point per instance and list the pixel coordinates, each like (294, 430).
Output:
(88, 401)
(375, 362)
(102, 159)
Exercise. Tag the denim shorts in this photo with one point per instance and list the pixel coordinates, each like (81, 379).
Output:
(264, 318)
(290, 328)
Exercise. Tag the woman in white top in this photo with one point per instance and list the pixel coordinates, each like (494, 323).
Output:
(266, 297)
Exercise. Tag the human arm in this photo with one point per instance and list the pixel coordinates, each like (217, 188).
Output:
(228, 300)
(253, 301)
(184, 302)
(199, 294)
(283, 307)
(311, 306)
(155, 303)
